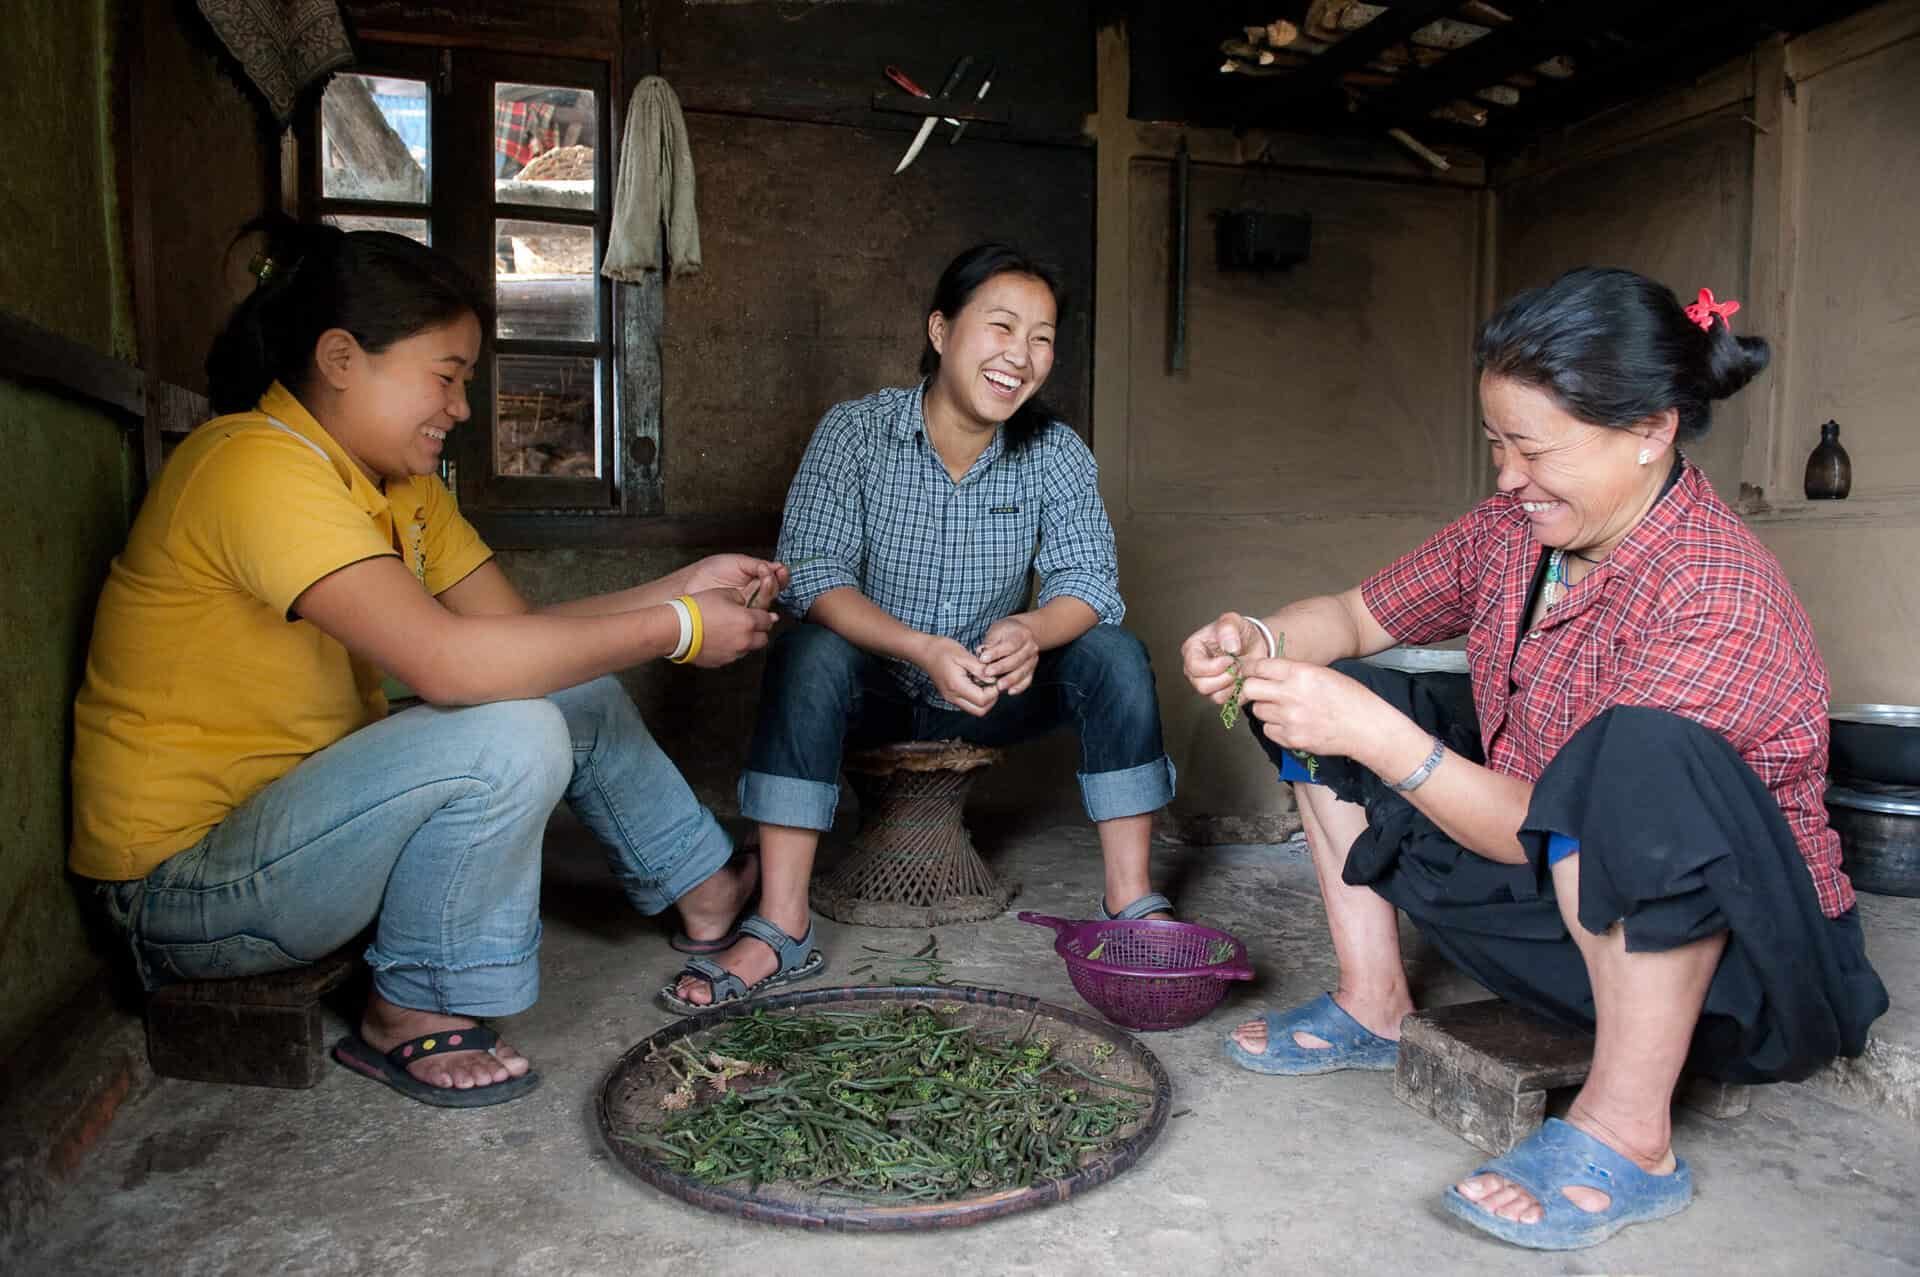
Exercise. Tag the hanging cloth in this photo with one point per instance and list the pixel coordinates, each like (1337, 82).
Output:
(655, 188)
(283, 45)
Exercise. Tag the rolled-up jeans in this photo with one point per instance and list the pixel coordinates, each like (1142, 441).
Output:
(428, 825)
(821, 695)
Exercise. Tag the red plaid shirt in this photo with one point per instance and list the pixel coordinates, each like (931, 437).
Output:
(1690, 614)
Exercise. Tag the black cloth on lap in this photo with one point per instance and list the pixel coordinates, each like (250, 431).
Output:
(1679, 841)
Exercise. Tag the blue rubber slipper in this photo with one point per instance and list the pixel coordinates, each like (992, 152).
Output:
(1559, 1156)
(1353, 1046)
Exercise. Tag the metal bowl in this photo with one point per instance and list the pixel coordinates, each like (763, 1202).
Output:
(1879, 839)
(1879, 743)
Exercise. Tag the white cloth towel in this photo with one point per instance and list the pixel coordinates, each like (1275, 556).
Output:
(655, 188)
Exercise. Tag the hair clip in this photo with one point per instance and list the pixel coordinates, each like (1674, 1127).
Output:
(261, 267)
(1703, 311)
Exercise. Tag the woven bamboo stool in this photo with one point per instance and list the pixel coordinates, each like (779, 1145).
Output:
(1483, 1070)
(912, 864)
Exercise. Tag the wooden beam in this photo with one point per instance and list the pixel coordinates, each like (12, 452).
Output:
(1582, 141)
(1854, 37)
(1688, 49)
(1362, 46)
(1779, 163)
(150, 19)
(1517, 47)
(37, 356)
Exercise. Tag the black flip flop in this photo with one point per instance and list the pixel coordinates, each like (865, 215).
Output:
(391, 1067)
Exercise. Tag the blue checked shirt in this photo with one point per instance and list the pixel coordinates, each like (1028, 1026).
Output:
(872, 507)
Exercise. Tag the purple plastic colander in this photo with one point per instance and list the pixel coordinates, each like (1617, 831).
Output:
(1147, 974)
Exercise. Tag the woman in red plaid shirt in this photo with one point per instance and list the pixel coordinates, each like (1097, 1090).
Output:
(1616, 819)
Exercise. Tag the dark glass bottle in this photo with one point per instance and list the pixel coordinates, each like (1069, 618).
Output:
(1829, 469)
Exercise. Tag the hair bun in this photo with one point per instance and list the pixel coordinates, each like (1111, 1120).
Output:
(1732, 361)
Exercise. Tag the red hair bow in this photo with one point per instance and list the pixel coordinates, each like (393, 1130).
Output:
(1703, 311)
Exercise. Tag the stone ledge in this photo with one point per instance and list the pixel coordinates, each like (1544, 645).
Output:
(1885, 1079)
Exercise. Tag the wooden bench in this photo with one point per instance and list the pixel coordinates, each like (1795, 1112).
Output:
(253, 1030)
(1483, 1070)
(912, 863)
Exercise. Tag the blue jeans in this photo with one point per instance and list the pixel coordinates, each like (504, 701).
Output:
(428, 825)
(821, 694)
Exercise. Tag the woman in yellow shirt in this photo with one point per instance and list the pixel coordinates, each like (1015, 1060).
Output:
(240, 793)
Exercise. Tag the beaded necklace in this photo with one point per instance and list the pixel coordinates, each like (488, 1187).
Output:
(1555, 587)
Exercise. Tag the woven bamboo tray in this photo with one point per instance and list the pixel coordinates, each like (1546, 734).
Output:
(629, 1100)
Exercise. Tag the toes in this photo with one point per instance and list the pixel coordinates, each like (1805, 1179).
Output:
(1252, 1036)
(1500, 1197)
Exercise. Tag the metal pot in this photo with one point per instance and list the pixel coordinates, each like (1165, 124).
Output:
(1880, 743)
(1879, 839)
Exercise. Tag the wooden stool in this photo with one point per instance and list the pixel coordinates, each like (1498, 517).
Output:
(253, 1030)
(912, 864)
(1483, 1070)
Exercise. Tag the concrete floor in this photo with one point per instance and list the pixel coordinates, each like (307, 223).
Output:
(1305, 1175)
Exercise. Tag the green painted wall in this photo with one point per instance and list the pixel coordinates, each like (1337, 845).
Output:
(66, 488)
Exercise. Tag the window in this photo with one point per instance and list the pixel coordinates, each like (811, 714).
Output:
(501, 162)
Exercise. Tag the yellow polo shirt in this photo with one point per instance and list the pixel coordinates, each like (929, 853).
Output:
(200, 688)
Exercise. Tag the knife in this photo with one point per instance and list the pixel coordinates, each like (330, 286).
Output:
(926, 125)
(986, 82)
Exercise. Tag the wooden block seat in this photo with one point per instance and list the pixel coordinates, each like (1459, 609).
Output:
(1483, 1070)
(252, 1030)
(912, 863)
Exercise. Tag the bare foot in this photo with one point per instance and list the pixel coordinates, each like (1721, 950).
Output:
(1499, 1196)
(750, 959)
(708, 911)
(386, 1026)
(1380, 1018)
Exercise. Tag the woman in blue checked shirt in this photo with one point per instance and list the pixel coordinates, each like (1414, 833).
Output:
(914, 527)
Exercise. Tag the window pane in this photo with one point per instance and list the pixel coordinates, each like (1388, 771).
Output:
(543, 139)
(546, 416)
(374, 139)
(411, 227)
(544, 281)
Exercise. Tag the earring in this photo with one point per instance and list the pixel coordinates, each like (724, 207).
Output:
(1646, 455)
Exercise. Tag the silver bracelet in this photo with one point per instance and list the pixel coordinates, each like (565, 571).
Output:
(1273, 648)
(1420, 773)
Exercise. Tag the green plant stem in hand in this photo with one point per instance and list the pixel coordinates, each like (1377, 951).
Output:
(895, 1105)
(811, 558)
(1230, 711)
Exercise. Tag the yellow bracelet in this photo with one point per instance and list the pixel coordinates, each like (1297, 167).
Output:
(699, 630)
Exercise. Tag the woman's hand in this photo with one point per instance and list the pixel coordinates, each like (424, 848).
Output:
(958, 674)
(758, 580)
(1010, 653)
(1314, 709)
(1207, 657)
(728, 628)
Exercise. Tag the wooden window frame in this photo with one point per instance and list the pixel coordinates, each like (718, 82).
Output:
(461, 211)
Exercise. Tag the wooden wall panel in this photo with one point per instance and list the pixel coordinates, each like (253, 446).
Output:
(583, 27)
(1677, 208)
(818, 268)
(1856, 355)
(208, 148)
(822, 61)
(1340, 386)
